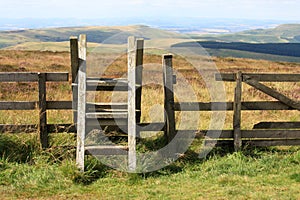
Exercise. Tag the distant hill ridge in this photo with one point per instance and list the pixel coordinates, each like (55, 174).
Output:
(96, 34)
(286, 33)
(280, 43)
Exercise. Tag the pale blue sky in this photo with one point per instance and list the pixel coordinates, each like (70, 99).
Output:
(247, 9)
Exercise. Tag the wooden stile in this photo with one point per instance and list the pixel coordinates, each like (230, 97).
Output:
(81, 119)
(132, 61)
(74, 68)
(139, 76)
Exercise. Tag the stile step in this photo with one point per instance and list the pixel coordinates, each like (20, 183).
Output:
(106, 150)
(107, 115)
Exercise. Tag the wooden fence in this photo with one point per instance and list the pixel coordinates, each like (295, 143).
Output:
(42, 104)
(262, 134)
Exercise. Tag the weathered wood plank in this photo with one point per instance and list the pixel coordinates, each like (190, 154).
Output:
(169, 97)
(132, 61)
(19, 105)
(277, 125)
(237, 107)
(81, 119)
(108, 88)
(260, 77)
(59, 105)
(57, 77)
(107, 115)
(32, 77)
(43, 111)
(106, 122)
(271, 92)
(74, 58)
(271, 134)
(100, 106)
(107, 84)
(106, 150)
(74, 68)
(223, 106)
(139, 76)
(230, 77)
(32, 105)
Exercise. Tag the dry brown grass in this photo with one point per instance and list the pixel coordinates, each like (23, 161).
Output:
(29, 61)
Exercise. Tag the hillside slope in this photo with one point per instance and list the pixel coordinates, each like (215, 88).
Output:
(99, 34)
(286, 33)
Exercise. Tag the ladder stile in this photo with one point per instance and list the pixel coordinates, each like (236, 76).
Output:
(131, 104)
(81, 119)
(93, 114)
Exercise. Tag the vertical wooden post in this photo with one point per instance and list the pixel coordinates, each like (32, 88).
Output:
(170, 128)
(131, 103)
(74, 68)
(81, 120)
(139, 76)
(237, 112)
(43, 111)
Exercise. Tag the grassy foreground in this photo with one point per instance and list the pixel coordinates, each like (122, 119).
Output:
(27, 172)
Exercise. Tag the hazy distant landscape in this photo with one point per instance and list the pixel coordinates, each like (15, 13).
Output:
(280, 43)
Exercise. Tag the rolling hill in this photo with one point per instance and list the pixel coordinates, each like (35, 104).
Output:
(33, 38)
(286, 33)
(278, 44)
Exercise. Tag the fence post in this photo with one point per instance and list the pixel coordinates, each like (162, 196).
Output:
(237, 107)
(74, 69)
(170, 129)
(139, 76)
(81, 120)
(43, 111)
(132, 61)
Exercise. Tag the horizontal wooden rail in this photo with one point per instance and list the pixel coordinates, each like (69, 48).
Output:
(231, 77)
(227, 106)
(32, 77)
(183, 106)
(277, 125)
(32, 105)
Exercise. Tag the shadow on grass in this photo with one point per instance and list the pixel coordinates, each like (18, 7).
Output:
(18, 148)
(24, 148)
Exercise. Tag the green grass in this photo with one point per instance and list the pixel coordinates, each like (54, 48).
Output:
(268, 173)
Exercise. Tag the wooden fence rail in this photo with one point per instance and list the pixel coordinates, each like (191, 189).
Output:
(42, 105)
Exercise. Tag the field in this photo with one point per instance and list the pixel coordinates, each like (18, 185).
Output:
(27, 172)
